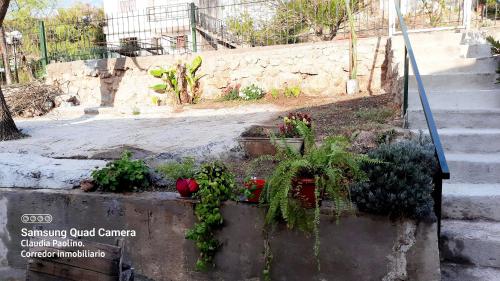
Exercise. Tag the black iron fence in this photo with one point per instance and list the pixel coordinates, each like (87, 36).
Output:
(177, 29)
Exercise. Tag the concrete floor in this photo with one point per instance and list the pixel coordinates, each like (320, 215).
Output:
(62, 149)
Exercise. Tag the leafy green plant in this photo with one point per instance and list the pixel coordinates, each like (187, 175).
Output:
(216, 184)
(401, 185)
(193, 79)
(333, 169)
(122, 175)
(179, 170)
(275, 93)
(172, 80)
(251, 92)
(290, 127)
(293, 91)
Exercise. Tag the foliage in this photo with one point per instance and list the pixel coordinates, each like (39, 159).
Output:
(72, 33)
(495, 50)
(251, 92)
(401, 186)
(172, 80)
(122, 175)
(495, 45)
(332, 167)
(290, 127)
(292, 20)
(293, 91)
(231, 92)
(216, 184)
(287, 92)
(179, 170)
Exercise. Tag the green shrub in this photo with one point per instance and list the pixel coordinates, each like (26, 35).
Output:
(216, 184)
(179, 170)
(251, 92)
(122, 175)
(293, 91)
(401, 186)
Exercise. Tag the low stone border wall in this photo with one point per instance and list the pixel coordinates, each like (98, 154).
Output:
(319, 68)
(358, 247)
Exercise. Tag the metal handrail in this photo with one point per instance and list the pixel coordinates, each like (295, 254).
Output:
(444, 172)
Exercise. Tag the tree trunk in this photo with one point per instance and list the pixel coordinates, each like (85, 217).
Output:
(182, 83)
(8, 129)
(5, 56)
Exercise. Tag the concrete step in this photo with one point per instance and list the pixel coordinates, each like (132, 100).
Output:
(459, 272)
(453, 118)
(470, 140)
(474, 168)
(456, 81)
(450, 65)
(471, 242)
(471, 201)
(464, 100)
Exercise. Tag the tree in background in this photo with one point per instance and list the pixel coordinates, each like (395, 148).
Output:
(293, 21)
(22, 15)
(8, 129)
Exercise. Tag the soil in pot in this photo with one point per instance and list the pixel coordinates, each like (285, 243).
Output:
(256, 186)
(303, 190)
(186, 187)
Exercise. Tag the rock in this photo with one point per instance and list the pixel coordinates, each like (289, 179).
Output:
(66, 101)
(88, 185)
(363, 141)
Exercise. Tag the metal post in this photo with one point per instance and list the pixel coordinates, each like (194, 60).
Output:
(392, 17)
(438, 198)
(405, 90)
(467, 13)
(43, 44)
(14, 43)
(192, 9)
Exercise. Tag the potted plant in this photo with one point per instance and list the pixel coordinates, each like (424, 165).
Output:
(262, 140)
(289, 135)
(254, 187)
(299, 181)
(352, 85)
(184, 174)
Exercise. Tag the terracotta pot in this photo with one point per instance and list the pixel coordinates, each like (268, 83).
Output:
(303, 190)
(256, 186)
(186, 187)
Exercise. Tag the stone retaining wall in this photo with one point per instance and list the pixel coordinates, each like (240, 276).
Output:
(319, 68)
(357, 248)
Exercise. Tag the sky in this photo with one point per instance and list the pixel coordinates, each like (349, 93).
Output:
(68, 3)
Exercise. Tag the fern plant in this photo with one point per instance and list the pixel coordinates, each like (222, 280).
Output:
(333, 169)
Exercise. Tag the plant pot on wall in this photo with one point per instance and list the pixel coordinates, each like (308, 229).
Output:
(186, 187)
(255, 186)
(352, 86)
(304, 189)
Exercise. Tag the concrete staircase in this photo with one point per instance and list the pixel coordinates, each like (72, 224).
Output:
(459, 76)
